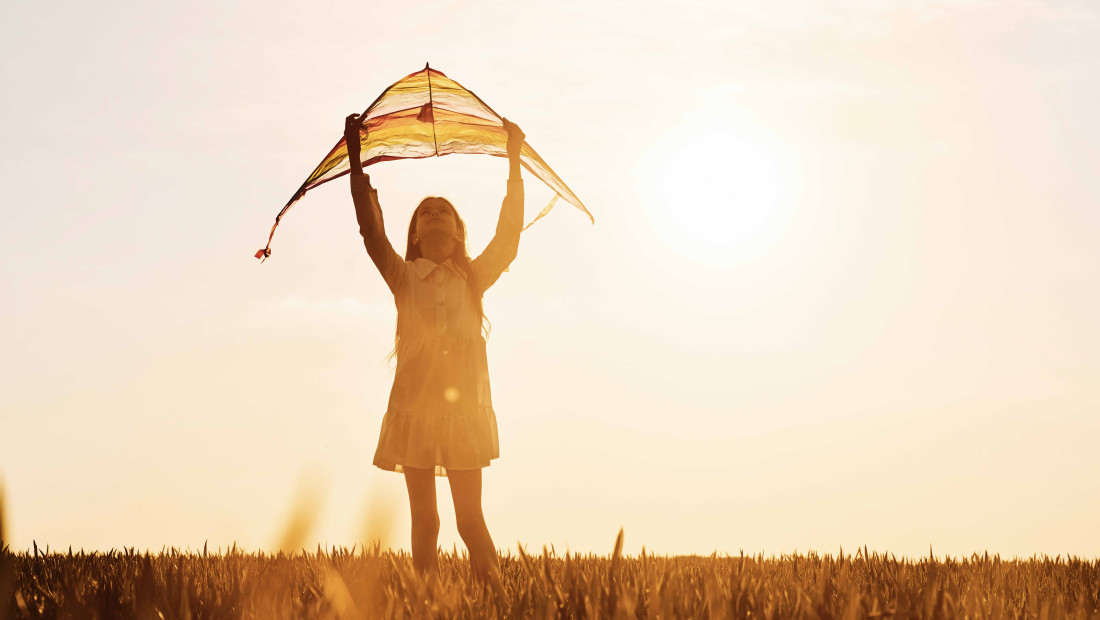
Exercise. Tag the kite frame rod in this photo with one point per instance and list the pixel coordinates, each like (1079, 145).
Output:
(431, 108)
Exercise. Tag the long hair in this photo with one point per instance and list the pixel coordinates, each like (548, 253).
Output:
(460, 257)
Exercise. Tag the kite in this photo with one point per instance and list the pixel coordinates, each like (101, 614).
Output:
(427, 114)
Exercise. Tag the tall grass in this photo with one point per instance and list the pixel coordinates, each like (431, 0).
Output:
(358, 583)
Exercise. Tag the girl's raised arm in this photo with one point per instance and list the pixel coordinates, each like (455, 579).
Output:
(502, 249)
(369, 212)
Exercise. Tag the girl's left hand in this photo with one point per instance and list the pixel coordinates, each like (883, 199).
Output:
(515, 138)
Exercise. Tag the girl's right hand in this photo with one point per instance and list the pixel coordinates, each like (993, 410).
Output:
(353, 126)
(515, 138)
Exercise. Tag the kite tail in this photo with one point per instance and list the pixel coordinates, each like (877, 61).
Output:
(542, 213)
(265, 253)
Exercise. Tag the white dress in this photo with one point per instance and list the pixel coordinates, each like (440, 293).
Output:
(440, 414)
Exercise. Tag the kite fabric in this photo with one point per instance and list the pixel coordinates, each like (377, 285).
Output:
(427, 114)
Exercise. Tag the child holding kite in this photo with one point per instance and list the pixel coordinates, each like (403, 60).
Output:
(440, 419)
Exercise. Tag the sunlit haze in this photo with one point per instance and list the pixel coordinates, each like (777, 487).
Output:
(840, 290)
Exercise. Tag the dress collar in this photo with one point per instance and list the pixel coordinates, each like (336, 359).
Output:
(425, 267)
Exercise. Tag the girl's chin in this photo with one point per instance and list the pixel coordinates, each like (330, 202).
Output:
(436, 235)
(433, 228)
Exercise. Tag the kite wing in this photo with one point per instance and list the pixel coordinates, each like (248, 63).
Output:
(427, 114)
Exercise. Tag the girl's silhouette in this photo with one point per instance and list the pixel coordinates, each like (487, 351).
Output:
(440, 419)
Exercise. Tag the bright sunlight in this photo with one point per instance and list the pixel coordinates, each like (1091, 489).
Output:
(719, 192)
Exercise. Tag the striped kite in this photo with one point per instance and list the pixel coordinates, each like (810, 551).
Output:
(428, 114)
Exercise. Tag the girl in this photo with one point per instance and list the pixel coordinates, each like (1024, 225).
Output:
(440, 419)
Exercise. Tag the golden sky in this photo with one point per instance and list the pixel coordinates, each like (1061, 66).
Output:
(840, 289)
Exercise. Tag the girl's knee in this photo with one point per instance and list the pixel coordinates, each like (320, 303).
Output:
(471, 526)
(426, 523)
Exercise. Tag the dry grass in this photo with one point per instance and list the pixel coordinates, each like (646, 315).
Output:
(346, 584)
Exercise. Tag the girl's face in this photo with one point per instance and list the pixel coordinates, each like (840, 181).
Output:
(436, 217)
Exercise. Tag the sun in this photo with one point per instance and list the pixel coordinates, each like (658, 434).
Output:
(719, 193)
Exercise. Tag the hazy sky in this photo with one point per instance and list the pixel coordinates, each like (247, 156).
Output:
(841, 289)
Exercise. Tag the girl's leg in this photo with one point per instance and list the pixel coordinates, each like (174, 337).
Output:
(425, 519)
(466, 491)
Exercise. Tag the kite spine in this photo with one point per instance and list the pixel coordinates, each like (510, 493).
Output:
(431, 106)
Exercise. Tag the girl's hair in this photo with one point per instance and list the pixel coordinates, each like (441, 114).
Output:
(459, 257)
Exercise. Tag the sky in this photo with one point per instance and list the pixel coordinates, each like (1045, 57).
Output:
(840, 289)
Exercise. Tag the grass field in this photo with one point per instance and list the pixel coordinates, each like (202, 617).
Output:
(342, 583)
